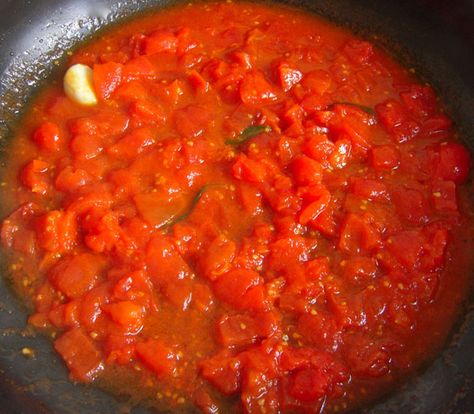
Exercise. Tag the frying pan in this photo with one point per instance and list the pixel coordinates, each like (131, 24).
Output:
(435, 36)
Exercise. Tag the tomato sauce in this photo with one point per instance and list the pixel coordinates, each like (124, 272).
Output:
(261, 214)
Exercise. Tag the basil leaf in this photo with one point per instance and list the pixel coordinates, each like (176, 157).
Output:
(248, 133)
(195, 200)
(364, 108)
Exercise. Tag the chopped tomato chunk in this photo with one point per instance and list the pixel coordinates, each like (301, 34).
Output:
(157, 357)
(80, 355)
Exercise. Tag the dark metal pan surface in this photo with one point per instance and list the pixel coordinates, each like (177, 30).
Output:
(435, 36)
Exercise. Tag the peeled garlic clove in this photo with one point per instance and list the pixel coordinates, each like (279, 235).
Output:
(78, 85)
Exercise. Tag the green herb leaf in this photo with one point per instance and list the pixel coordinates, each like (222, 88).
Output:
(195, 200)
(248, 133)
(366, 109)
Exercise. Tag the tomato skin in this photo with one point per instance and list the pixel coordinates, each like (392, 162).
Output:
(48, 137)
(453, 163)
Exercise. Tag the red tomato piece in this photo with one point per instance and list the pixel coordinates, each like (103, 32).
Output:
(127, 314)
(197, 81)
(119, 349)
(70, 179)
(238, 330)
(357, 235)
(320, 330)
(287, 75)
(139, 67)
(394, 117)
(165, 264)
(318, 81)
(453, 163)
(56, 231)
(179, 293)
(157, 357)
(315, 208)
(359, 270)
(255, 90)
(191, 121)
(237, 286)
(306, 171)
(407, 247)
(366, 358)
(218, 258)
(107, 78)
(318, 147)
(160, 41)
(249, 170)
(419, 100)
(48, 137)
(411, 205)
(223, 372)
(86, 146)
(384, 157)
(203, 299)
(287, 252)
(437, 126)
(308, 384)
(370, 189)
(358, 51)
(65, 316)
(146, 112)
(251, 198)
(16, 232)
(443, 195)
(341, 153)
(34, 176)
(133, 143)
(75, 275)
(80, 355)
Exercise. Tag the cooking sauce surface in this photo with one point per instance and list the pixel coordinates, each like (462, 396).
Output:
(262, 213)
